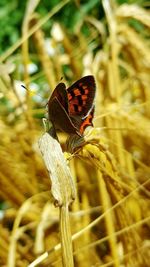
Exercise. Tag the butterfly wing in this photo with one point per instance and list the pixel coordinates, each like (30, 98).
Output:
(60, 93)
(60, 119)
(87, 121)
(81, 96)
(71, 110)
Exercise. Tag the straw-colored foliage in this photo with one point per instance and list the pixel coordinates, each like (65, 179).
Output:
(109, 218)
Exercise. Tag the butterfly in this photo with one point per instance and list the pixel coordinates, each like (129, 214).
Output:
(71, 109)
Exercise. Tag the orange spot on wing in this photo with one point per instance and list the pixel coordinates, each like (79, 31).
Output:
(83, 126)
(86, 91)
(87, 122)
(84, 97)
(77, 92)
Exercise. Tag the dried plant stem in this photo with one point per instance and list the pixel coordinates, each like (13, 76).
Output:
(92, 224)
(15, 234)
(62, 189)
(66, 240)
(17, 197)
(46, 61)
(117, 138)
(108, 220)
(31, 5)
(25, 56)
(113, 71)
(76, 207)
(73, 62)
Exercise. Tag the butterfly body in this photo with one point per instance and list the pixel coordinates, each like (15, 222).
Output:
(71, 109)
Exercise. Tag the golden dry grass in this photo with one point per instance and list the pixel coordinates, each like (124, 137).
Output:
(109, 218)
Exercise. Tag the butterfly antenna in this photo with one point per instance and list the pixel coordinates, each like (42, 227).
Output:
(23, 86)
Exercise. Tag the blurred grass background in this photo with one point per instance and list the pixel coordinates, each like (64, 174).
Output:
(40, 42)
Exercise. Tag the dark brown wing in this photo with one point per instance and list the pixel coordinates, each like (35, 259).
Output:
(60, 119)
(60, 93)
